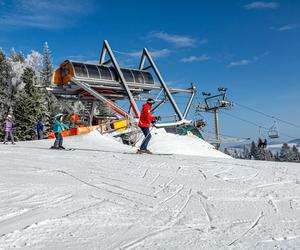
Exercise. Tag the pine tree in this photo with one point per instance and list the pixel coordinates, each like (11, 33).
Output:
(49, 100)
(226, 151)
(246, 152)
(4, 75)
(295, 154)
(277, 157)
(16, 57)
(285, 153)
(47, 69)
(29, 107)
(253, 150)
(269, 156)
(261, 154)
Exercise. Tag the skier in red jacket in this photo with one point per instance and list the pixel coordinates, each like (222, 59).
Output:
(144, 123)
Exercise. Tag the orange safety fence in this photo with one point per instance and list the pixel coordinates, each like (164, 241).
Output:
(74, 131)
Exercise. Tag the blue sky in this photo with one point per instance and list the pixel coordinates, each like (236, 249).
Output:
(250, 47)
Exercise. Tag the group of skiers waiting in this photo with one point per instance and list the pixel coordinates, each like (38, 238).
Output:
(9, 127)
(59, 126)
(262, 143)
(145, 121)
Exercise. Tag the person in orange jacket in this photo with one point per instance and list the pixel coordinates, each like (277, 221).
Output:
(146, 119)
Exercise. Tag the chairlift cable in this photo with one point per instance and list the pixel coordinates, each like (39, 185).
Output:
(255, 124)
(229, 136)
(270, 116)
(244, 120)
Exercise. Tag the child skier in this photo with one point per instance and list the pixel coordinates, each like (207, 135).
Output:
(144, 123)
(8, 126)
(59, 126)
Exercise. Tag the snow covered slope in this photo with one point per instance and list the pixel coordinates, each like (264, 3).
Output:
(100, 198)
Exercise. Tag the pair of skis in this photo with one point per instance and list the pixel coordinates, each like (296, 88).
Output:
(73, 149)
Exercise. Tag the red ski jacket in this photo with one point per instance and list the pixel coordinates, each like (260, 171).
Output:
(146, 118)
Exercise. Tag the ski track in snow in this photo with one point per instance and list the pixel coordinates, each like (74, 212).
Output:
(173, 195)
(164, 187)
(91, 199)
(206, 211)
(250, 228)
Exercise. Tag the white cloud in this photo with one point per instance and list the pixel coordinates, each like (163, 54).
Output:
(195, 59)
(261, 5)
(43, 14)
(245, 62)
(285, 27)
(160, 53)
(242, 62)
(176, 40)
(154, 53)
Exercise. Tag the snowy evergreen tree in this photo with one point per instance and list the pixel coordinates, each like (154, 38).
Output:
(277, 157)
(285, 153)
(246, 152)
(261, 154)
(103, 110)
(4, 77)
(47, 69)
(253, 151)
(34, 60)
(29, 107)
(226, 151)
(236, 154)
(295, 154)
(52, 104)
(16, 57)
(269, 156)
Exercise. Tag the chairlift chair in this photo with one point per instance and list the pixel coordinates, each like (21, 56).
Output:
(273, 131)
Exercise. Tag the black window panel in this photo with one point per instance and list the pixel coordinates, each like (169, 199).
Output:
(138, 77)
(148, 78)
(80, 70)
(114, 74)
(128, 75)
(105, 73)
(93, 71)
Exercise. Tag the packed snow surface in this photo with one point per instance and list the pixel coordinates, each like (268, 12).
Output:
(97, 197)
(163, 142)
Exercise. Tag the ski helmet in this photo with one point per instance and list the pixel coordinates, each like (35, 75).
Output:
(150, 101)
(57, 116)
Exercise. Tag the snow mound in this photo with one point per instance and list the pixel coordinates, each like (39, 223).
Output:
(167, 143)
(161, 142)
(95, 140)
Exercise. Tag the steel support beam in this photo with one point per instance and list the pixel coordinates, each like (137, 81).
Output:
(108, 50)
(100, 97)
(188, 106)
(162, 102)
(147, 55)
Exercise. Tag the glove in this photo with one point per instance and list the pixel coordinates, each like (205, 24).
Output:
(158, 118)
(153, 122)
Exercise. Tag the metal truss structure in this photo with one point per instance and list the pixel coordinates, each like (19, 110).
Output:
(107, 82)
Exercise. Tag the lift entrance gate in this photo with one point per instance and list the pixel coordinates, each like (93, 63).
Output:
(107, 82)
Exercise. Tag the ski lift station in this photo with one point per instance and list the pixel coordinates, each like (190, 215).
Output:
(107, 83)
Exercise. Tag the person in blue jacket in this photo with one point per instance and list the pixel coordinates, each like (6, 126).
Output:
(59, 126)
(40, 129)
